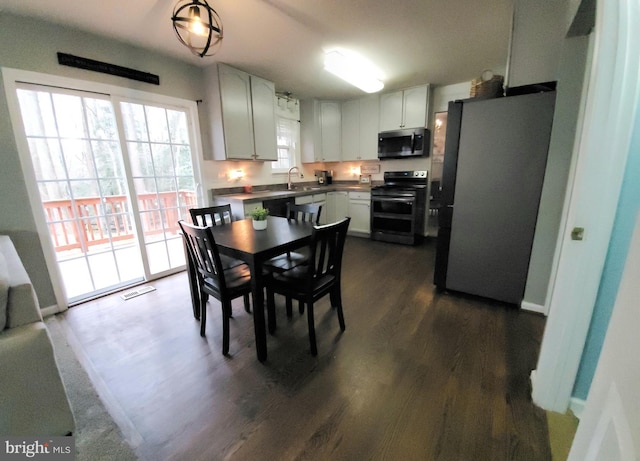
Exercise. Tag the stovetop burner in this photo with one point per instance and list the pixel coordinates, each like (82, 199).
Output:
(403, 180)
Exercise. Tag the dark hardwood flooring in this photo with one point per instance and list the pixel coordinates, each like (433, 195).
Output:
(417, 375)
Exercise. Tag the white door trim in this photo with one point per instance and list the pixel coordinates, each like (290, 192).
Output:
(612, 102)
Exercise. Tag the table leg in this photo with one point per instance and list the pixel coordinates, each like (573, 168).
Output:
(258, 310)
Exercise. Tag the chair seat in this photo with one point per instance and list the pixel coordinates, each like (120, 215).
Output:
(293, 283)
(229, 262)
(236, 278)
(286, 262)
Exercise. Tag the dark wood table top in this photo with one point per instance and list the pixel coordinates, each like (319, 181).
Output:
(239, 238)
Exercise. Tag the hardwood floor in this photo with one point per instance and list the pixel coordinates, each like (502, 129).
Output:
(417, 375)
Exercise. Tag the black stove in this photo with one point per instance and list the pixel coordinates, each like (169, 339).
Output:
(398, 207)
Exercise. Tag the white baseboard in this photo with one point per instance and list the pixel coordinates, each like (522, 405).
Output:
(50, 310)
(577, 406)
(531, 307)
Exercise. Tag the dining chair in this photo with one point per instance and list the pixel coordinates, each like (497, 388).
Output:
(304, 212)
(218, 215)
(299, 212)
(224, 284)
(212, 215)
(319, 277)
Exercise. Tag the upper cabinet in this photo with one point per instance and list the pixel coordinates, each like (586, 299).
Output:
(242, 115)
(404, 109)
(320, 131)
(360, 129)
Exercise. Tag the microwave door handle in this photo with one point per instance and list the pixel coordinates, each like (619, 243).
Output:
(413, 143)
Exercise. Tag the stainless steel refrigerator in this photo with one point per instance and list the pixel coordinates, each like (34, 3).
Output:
(495, 158)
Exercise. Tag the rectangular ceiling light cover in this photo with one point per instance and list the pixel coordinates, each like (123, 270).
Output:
(354, 70)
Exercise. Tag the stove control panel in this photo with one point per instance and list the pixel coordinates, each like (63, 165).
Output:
(420, 174)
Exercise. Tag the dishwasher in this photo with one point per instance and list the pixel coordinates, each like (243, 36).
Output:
(277, 206)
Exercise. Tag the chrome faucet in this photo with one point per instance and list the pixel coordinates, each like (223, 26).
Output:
(289, 184)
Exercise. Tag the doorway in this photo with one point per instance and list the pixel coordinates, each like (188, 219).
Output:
(113, 178)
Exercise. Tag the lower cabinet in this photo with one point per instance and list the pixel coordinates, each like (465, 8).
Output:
(360, 212)
(337, 206)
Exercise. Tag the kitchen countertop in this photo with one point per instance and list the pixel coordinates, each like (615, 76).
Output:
(301, 190)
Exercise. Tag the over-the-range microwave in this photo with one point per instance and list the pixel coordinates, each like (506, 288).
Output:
(406, 143)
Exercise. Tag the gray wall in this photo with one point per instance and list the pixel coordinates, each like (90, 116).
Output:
(569, 92)
(32, 45)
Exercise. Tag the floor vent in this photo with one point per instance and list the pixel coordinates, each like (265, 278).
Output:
(137, 292)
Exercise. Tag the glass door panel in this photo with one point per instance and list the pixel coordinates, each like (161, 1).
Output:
(75, 151)
(162, 171)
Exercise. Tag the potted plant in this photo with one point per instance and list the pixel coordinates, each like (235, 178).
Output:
(259, 216)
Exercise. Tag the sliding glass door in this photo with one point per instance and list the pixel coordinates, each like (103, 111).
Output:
(114, 177)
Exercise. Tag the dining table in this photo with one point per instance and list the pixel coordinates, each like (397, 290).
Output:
(240, 240)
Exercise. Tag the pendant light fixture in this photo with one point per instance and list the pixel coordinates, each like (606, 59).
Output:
(198, 26)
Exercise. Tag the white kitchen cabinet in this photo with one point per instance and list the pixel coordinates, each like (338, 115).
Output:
(264, 119)
(321, 199)
(404, 109)
(304, 199)
(360, 129)
(320, 131)
(241, 108)
(337, 206)
(360, 212)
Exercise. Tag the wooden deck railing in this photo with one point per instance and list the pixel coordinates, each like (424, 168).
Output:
(95, 220)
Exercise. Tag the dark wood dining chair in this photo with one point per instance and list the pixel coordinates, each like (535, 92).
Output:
(305, 212)
(300, 212)
(319, 277)
(224, 284)
(218, 215)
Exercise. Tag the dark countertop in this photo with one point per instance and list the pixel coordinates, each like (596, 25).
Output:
(297, 191)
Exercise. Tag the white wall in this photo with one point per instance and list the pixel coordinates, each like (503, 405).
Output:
(569, 92)
(538, 28)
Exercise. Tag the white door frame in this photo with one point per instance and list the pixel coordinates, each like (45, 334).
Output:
(10, 78)
(603, 147)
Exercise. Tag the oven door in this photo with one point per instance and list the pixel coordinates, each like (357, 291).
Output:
(392, 214)
(397, 204)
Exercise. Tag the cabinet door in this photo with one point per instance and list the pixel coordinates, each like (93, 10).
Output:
(351, 130)
(369, 109)
(330, 134)
(337, 206)
(360, 212)
(391, 111)
(321, 199)
(235, 95)
(264, 119)
(415, 107)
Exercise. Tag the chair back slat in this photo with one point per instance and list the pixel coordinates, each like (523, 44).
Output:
(304, 212)
(211, 216)
(327, 247)
(204, 252)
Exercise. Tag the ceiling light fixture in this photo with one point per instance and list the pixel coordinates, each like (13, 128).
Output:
(353, 69)
(198, 26)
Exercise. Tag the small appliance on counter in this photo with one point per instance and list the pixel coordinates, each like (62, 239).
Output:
(324, 176)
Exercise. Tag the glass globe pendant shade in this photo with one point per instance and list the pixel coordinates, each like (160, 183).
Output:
(197, 26)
